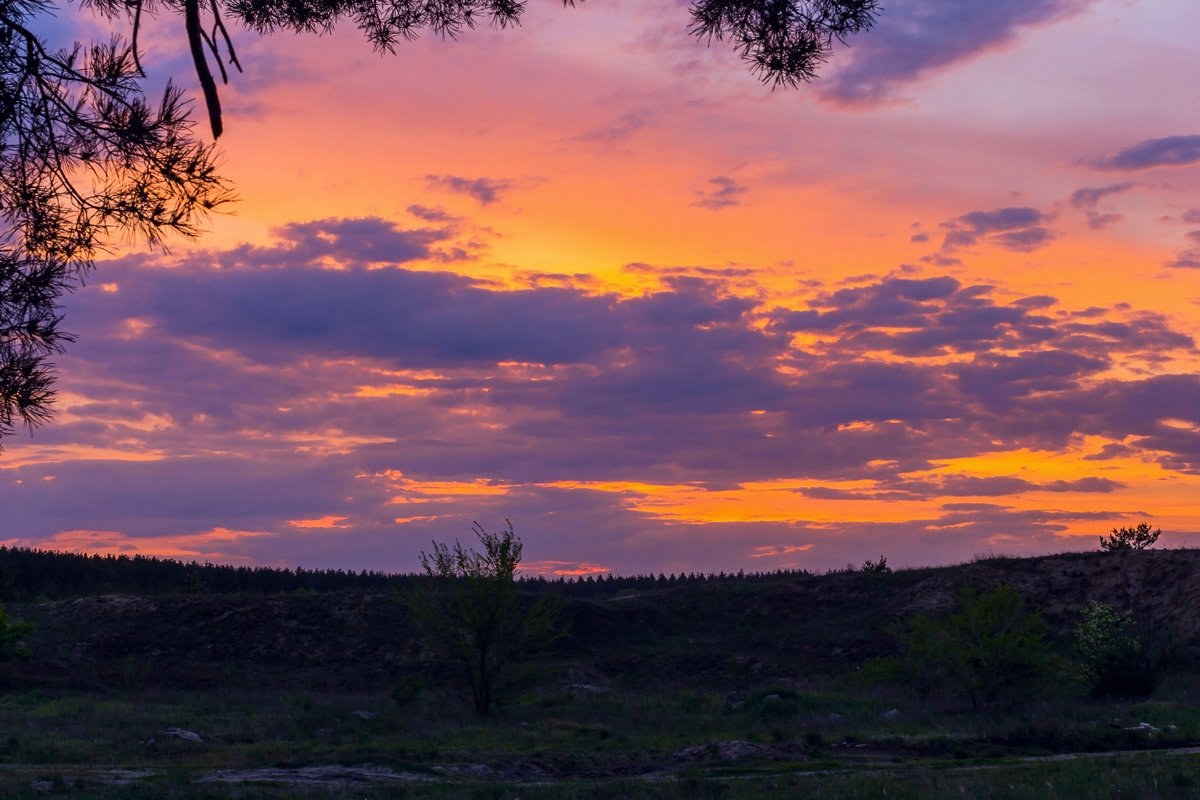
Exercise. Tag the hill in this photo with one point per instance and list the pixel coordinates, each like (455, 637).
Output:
(713, 632)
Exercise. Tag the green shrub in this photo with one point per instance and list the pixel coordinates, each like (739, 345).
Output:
(1117, 661)
(920, 666)
(12, 634)
(993, 646)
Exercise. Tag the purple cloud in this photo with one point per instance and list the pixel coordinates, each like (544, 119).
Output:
(485, 191)
(371, 392)
(1169, 151)
(432, 214)
(916, 38)
(1185, 259)
(1026, 240)
(1089, 484)
(1188, 258)
(1018, 228)
(622, 130)
(722, 192)
(1087, 200)
(962, 485)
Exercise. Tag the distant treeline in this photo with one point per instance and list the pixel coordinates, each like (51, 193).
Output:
(28, 574)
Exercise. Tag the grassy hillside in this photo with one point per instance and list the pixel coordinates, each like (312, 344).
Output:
(734, 687)
(714, 632)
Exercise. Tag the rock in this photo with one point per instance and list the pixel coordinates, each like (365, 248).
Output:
(180, 733)
(588, 688)
(365, 714)
(728, 750)
(893, 714)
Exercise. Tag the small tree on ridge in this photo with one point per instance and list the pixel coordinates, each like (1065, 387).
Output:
(1138, 538)
(472, 614)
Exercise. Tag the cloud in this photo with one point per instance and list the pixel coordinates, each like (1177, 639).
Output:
(1087, 200)
(219, 544)
(485, 191)
(432, 213)
(346, 407)
(1185, 259)
(622, 130)
(960, 485)
(1169, 151)
(1026, 240)
(367, 240)
(1089, 484)
(1017, 228)
(916, 38)
(722, 192)
(404, 318)
(1188, 258)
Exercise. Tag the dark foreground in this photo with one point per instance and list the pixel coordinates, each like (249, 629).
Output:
(729, 689)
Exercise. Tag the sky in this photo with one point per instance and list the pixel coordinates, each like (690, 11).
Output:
(590, 276)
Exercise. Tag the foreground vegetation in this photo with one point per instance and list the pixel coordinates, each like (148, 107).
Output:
(828, 741)
(1053, 677)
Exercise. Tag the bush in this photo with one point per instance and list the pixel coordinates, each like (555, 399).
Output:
(993, 646)
(1138, 538)
(920, 666)
(1114, 659)
(12, 636)
(879, 567)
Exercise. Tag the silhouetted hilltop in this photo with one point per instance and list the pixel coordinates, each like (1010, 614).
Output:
(707, 629)
(32, 574)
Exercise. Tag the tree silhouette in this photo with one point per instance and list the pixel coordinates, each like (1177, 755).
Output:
(783, 42)
(472, 614)
(86, 158)
(1125, 538)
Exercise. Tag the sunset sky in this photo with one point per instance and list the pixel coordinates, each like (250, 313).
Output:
(591, 276)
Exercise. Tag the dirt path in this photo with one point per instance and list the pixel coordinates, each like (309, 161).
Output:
(335, 776)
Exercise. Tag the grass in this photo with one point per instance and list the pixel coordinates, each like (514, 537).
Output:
(804, 723)
(828, 741)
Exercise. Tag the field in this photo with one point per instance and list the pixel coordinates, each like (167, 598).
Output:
(752, 687)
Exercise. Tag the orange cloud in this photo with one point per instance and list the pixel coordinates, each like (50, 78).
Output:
(767, 551)
(217, 544)
(321, 522)
(562, 568)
